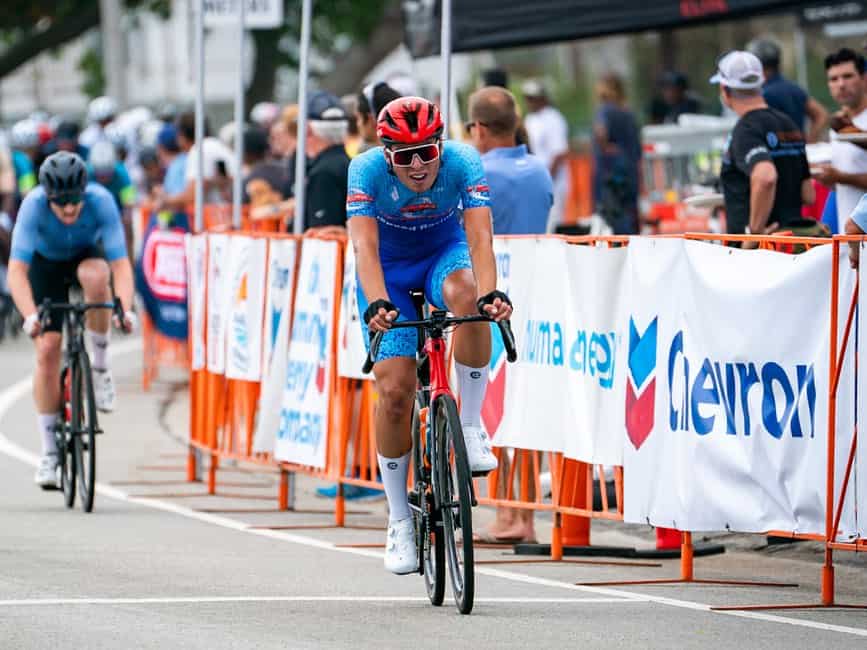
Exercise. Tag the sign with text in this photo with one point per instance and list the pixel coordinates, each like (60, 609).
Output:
(258, 14)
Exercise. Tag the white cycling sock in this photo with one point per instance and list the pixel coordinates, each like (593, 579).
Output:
(394, 474)
(472, 384)
(45, 424)
(98, 349)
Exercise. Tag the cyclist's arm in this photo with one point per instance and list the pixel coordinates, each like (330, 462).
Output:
(364, 233)
(121, 272)
(477, 223)
(114, 243)
(19, 287)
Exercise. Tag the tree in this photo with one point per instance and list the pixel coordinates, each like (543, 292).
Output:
(354, 35)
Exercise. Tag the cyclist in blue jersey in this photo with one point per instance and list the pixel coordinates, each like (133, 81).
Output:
(419, 217)
(68, 232)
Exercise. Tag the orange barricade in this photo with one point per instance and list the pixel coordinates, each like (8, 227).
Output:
(223, 415)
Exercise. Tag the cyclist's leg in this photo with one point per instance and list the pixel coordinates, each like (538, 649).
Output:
(48, 279)
(94, 276)
(451, 284)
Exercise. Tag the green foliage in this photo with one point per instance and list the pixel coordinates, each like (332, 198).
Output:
(90, 65)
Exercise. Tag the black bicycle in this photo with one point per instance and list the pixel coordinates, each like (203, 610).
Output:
(77, 426)
(443, 496)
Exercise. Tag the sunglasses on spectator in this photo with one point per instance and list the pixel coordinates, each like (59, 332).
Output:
(427, 153)
(67, 199)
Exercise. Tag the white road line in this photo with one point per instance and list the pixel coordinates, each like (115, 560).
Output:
(17, 390)
(42, 602)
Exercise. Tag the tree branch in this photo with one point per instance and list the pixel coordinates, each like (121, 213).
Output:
(62, 30)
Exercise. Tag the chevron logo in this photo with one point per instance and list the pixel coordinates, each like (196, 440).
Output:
(641, 383)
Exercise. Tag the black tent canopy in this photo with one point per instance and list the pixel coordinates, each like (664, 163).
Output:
(492, 24)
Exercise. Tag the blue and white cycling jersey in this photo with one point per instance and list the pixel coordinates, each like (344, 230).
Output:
(412, 224)
(421, 235)
(38, 230)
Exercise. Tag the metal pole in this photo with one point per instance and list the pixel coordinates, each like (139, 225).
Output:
(301, 150)
(801, 57)
(113, 59)
(446, 61)
(239, 121)
(200, 112)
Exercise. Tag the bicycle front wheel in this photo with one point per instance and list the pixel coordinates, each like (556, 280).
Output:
(455, 497)
(429, 530)
(84, 422)
(65, 439)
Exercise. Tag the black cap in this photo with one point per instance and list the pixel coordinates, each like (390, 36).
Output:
(673, 78)
(322, 105)
(67, 130)
(255, 140)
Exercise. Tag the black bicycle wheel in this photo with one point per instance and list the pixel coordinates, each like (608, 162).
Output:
(65, 446)
(455, 491)
(429, 531)
(84, 418)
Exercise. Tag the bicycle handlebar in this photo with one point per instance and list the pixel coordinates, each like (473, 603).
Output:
(438, 320)
(48, 306)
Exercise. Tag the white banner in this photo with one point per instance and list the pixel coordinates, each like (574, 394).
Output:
(218, 294)
(282, 254)
(258, 14)
(196, 272)
(726, 394)
(560, 395)
(302, 435)
(245, 308)
(860, 470)
(275, 357)
(351, 353)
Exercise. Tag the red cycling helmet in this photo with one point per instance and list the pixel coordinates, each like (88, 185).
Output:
(409, 120)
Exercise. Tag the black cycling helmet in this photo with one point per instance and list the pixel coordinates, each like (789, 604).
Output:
(63, 175)
(766, 50)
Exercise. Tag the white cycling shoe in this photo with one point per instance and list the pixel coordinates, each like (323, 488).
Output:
(401, 550)
(48, 473)
(103, 389)
(479, 452)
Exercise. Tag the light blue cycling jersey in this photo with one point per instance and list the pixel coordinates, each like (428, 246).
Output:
(412, 224)
(421, 237)
(38, 230)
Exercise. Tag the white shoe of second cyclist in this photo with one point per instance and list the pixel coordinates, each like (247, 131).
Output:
(401, 550)
(103, 389)
(47, 474)
(479, 453)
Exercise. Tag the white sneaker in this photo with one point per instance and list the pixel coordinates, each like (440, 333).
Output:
(103, 389)
(48, 473)
(401, 551)
(479, 453)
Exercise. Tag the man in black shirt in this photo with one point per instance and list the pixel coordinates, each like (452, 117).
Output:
(329, 164)
(765, 175)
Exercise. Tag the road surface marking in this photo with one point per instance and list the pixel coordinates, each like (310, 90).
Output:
(14, 392)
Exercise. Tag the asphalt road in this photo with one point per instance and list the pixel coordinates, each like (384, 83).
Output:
(159, 564)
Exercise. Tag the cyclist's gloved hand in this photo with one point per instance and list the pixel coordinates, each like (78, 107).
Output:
(496, 305)
(129, 323)
(379, 315)
(32, 327)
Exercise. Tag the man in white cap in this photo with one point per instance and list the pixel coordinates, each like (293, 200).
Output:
(765, 175)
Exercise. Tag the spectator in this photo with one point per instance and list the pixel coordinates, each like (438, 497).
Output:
(218, 165)
(522, 194)
(616, 157)
(495, 77)
(847, 172)
(674, 99)
(548, 134)
(264, 114)
(765, 176)
(100, 113)
(104, 168)
(174, 162)
(785, 96)
(522, 191)
(289, 117)
(266, 180)
(353, 138)
(856, 224)
(278, 142)
(371, 100)
(152, 169)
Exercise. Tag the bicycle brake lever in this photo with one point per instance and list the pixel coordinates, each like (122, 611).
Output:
(508, 340)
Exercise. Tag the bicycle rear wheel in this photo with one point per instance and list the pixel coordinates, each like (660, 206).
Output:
(455, 492)
(429, 530)
(84, 420)
(64, 436)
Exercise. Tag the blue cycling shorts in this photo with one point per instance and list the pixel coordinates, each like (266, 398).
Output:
(401, 276)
